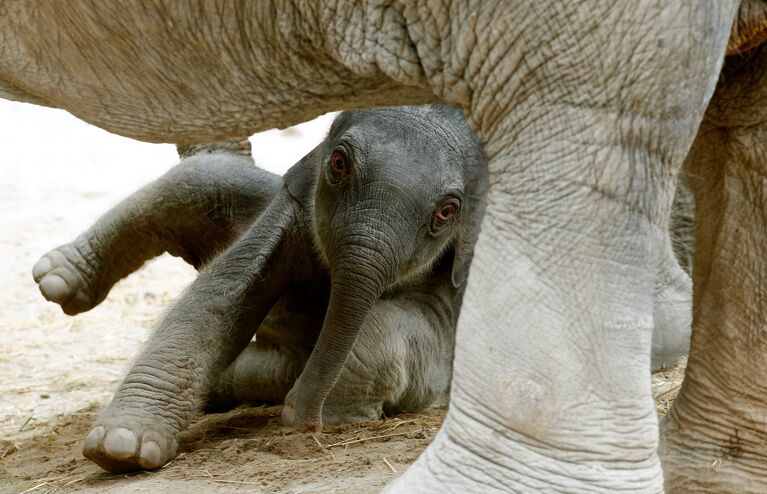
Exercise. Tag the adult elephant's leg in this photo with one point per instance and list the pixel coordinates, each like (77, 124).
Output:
(194, 211)
(550, 387)
(203, 333)
(715, 439)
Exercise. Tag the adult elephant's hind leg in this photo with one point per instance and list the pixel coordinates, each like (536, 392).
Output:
(550, 389)
(715, 439)
(194, 211)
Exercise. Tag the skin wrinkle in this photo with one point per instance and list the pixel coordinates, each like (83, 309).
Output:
(498, 423)
(448, 136)
(749, 30)
(174, 406)
(531, 476)
(144, 393)
(485, 459)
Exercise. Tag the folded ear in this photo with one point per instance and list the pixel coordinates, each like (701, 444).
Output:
(463, 252)
(463, 245)
(300, 179)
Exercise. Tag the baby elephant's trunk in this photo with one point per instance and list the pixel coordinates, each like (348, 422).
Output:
(360, 273)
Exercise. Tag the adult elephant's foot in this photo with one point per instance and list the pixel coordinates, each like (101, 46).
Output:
(128, 443)
(470, 455)
(706, 457)
(69, 276)
(714, 439)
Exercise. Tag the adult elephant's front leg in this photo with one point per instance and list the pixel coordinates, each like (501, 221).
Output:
(550, 386)
(203, 333)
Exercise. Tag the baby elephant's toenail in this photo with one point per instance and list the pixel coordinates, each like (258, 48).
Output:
(121, 443)
(41, 267)
(151, 456)
(54, 288)
(95, 437)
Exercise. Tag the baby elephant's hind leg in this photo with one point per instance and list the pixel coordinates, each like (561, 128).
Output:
(262, 374)
(193, 211)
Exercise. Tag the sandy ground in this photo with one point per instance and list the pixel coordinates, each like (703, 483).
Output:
(57, 175)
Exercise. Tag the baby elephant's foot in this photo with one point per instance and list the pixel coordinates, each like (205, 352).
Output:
(66, 275)
(121, 445)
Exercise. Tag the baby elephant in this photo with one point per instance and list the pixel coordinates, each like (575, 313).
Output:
(358, 257)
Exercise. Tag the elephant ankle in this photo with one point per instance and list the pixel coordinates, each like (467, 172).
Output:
(465, 455)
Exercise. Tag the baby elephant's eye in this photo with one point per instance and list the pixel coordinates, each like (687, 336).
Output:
(339, 166)
(444, 213)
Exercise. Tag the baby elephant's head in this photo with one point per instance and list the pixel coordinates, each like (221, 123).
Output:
(396, 189)
(391, 191)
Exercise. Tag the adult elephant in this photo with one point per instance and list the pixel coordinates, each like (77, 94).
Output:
(587, 111)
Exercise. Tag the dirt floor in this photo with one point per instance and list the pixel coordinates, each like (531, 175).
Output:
(57, 372)
(245, 450)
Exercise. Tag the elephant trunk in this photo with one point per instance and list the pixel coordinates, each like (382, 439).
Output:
(362, 271)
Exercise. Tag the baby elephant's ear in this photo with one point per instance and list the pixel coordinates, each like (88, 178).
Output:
(463, 251)
(300, 179)
(463, 245)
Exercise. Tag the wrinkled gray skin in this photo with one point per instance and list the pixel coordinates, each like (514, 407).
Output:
(289, 249)
(586, 111)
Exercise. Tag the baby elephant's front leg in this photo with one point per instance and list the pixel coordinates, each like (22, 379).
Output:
(203, 333)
